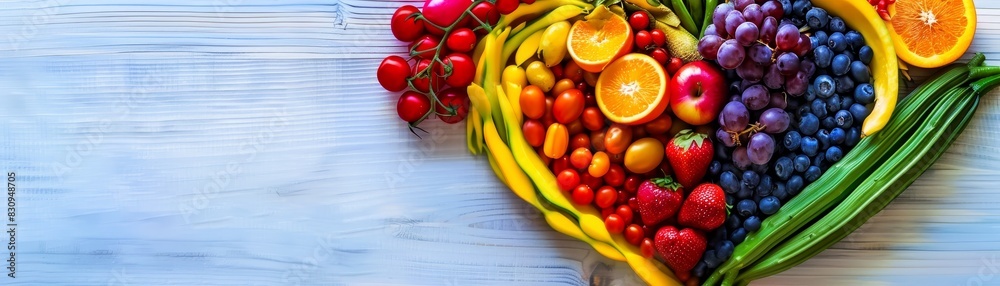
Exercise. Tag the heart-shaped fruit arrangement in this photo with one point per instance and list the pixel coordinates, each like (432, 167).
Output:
(699, 142)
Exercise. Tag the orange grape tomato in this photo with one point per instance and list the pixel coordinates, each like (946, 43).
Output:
(556, 141)
(563, 85)
(660, 125)
(618, 138)
(597, 138)
(599, 164)
(573, 72)
(532, 102)
(644, 155)
(534, 132)
(580, 158)
(568, 106)
(592, 118)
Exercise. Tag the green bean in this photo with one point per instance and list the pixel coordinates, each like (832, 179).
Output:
(686, 21)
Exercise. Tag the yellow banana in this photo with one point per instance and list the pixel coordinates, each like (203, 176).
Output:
(560, 14)
(528, 48)
(885, 67)
(552, 48)
(525, 12)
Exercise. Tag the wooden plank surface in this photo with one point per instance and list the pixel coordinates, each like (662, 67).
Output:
(246, 142)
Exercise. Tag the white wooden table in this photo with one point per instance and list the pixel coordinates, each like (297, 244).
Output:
(246, 142)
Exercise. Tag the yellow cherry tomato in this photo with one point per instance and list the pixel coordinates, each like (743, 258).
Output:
(556, 141)
(644, 155)
(540, 75)
(599, 164)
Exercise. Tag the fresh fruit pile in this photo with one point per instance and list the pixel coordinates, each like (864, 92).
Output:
(693, 159)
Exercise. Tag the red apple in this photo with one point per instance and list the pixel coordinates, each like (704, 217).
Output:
(698, 92)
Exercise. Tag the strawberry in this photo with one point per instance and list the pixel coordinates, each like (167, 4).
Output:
(681, 249)
(689, 154)
(658, 199)
(705, 208)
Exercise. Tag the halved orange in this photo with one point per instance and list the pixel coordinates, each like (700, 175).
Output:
(600, 38)
(932, 33)
(632, 89)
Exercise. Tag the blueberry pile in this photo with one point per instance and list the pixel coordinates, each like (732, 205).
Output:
(826, 93)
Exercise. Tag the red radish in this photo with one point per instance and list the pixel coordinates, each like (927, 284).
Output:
(445, 12)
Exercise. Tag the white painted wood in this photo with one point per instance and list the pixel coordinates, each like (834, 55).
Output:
(246, 142)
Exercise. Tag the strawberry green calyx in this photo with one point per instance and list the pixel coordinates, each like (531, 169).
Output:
(666, 182)
(687, 138)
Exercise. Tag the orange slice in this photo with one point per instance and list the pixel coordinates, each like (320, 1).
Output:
(932, 33)
(632, 89)
(599, 39)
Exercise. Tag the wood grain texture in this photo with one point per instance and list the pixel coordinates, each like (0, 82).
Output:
(246, 142)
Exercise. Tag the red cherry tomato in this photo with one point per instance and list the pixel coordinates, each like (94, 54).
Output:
(424, 47)
(412, 106)
(615, 176)
(591, 181)
(548, 119)
(485, 12)
(392, 73)
(639, 20)
(622, 198)
(507, 6)
(404, 27)
(674, 65)
(424, 82)
(606, 197)
(625, 212)
(643, 40)
(646, 248)
(614, 223)
(560, 164)
(568, 106)
(568, 179)
(632, 183)
(454, 105)
(580, 140)
(582, 195)
(660, 55)
(532, 102)
(461, 40)
(575, 127)
(457, 69)
(659, 38)
(634, 234)
(592, 119)
(534, 132)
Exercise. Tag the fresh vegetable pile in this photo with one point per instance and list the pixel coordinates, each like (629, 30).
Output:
(698, 141)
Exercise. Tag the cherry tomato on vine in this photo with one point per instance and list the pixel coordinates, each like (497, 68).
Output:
(423, 81)
(614, 223)
(606, 197)
(532, 102)
(454, 105)
(412, 106)
(404, 27)
(461, 40)
(674, 65)
(639, 20)
(660, 55)
(485, 12)
(568, 179)
(463, 70)
(507, 6)
(392, 73)
(425, 47)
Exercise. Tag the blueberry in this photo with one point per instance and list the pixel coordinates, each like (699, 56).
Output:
(699, 269)
(738, 235)
(840, 64)
(745, 192)
(823, 56)
(802, 110)
(817, 18)
(730, 200)
(800, 8)
(721, 153)
(860, 112)
(825, 86)
(844, 119)
(833, 104)
(810, 146)
(795, 185)
(812, 174)
(837, 25)
(746, 207)
(821, 36)
(846, 101)
(725, 250)
(815, 41)
(783, 168)
(865, 54)
(810, 94)
(801, 163)
(849, 54)
(721, 234)
(780, 191)
(844, 84)
(729, 183)
(792, 140)
(768, 205)
(733, 221)
(854, 39)
(760, 169)
(860, 72)
(751, 178)
(752, 223)
(834, 154)
(764, 188)
(786, 5)
(715, 168)
(818, 161)
(818, 107)
(710, 259)
(838, 135)
(823, 136)
(864, 93)
(837, 42)
(853, 136)
(828, 122)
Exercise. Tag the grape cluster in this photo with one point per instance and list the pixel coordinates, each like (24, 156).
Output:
(800, 90)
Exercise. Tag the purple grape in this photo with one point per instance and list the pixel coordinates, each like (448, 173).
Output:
(779, 100)
(733, 20)
(759, 53)
(804, 45)
(788, 63)
(734, 116)
(719, 18)
(768, 30)
(797, 84)
(725, 138)
(787, 38)
(740, 158)
(730, 54)
(709, 45)
(747, 34)
(710, 30)
(756, 97)
(760, 148)
(750, 71)
(773, 78)
(753, 14)
(742, 4)
(775, 120)
(772, 9)
(808, 67)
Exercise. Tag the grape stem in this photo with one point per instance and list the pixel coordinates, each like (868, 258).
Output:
(750, 130)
